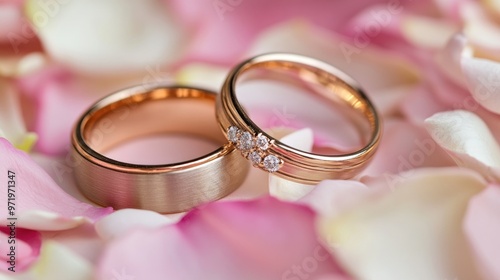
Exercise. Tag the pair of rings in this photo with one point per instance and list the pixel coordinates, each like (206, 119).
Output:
(171, 188)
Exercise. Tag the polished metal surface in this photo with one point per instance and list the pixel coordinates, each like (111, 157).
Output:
(324, 80)
(169, 188)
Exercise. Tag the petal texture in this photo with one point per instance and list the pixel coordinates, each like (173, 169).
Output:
(417, 226)
(468, 140)
(226, 240)
(40, 203)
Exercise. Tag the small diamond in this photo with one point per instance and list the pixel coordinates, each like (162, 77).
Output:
(271, 163)
(254, 157)
(232, 134)
(246, 141)
(262, 142)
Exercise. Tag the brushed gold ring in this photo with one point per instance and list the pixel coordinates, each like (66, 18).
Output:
(273, 156)
(169, 188)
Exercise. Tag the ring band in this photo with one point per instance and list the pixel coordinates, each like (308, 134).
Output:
(169, 188)
(285, 161)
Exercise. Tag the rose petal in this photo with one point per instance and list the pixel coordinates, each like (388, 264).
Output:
(26, 243)
(54, 92)
(17, 66)
(373, 68)
(57, 262)
(420, 104)
(202, 75)
(449, 59)
(40, 203)
(332, 197)
(219, 22)
(427, 32)
(106, 38)
(124, 220)
(414, 232)
(468, 140)
(405, 146)
(83, 240)
(483, 81)
(483, 229)
(451, 9)
(255, 237)
(12, 124)
(285, 189)
(479, 28)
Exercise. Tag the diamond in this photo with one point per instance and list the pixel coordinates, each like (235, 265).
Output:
(246, 142)
(255, 158)
(272, 163)
(232, 134)
(262, 142)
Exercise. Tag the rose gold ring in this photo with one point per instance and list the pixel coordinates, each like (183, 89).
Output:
(273, 156)
(168, 188)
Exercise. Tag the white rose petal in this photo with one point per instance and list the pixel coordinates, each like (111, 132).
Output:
(468, 140)
(106, 37)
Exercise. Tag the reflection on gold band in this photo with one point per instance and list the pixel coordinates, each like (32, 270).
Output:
(169, 188)
(294, 164)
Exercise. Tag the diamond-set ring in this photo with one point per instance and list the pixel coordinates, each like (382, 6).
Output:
(325, 81)
(254, 148)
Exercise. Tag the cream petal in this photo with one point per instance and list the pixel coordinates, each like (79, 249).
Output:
(479, 28)
(468, 140)
(413, 232)
(124, 220)
(202, 75)
(428, 32)
(483, 81)
(333, 197)
(57, 262)
(450, 57)
(107, 37)
(12, 124)
(285, 189)
(17, 66)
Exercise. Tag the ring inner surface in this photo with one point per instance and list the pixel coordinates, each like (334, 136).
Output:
(161, 111)
(326, 94)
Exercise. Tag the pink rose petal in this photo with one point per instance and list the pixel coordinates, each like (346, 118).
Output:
(483, 229)
(40, 203)
(405, 146)
(218, 22)
(261, 239)
(420, 104)
(54, 92)
(26, 243)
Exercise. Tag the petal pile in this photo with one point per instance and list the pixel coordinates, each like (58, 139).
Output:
(259, 239)
(413, 232)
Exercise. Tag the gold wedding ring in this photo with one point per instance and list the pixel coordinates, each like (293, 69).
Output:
(169, 188)
(274, 156)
